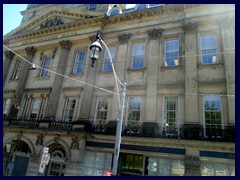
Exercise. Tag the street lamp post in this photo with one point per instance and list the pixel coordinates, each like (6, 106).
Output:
(95, 49)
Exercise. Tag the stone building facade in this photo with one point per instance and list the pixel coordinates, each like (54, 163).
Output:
(179, 64)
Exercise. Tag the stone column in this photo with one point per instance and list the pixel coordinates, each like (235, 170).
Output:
(228, 43)
(87, 93)
(191, 89)
(57, 83)
(152, 74)
(192, 166)
(30, 51)
(120, 71)
(6, 63)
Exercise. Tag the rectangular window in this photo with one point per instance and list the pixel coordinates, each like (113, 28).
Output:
(55, 169)
(171, 115)
(17, 70)
(36, 103)
(106, 63)
(45, 66)
(172, 52)
(132, 164)
(209, 49)
(213, 115)
(138, 56)
(165, 167)
(78, 64)
(92, 7)
(6, 106)
(134, 109)
(101, 114)
(69, 109)
(217, 169)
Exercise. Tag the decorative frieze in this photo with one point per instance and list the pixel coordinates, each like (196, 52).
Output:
(9, 54)
(154, 33)
(124, 38)
(30, 51)
(51, 22)
(65, 44)
(189, 27)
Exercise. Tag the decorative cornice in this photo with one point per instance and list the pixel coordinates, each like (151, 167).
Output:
(9, 54)
(30, 51)
(189, 27)
(154, 33)
(65, 44)
(124, 38)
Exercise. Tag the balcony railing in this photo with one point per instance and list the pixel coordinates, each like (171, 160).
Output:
(147, 129)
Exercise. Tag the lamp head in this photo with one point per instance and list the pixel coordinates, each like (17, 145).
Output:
(95, 49)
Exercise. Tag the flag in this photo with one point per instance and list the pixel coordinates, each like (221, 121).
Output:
(16, 106)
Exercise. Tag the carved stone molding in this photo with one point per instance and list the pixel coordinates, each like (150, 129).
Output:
(51, 22)
(192, 166)
(39, 140)
(9, 54)
(75, 143)
(189, 27)
(65, 44)
(30, 51)
(57, 138)
(124, 38)
(154, 33)
(19, 135)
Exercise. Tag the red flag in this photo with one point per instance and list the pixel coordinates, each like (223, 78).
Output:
(16, 106)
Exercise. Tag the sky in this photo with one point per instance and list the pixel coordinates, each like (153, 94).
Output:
(12, 16)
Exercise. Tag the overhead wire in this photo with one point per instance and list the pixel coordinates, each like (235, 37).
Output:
(97, 87)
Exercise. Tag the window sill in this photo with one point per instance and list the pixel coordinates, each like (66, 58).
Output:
(42, 78)
(129, 70)
(213, 66)
(163, 68)
(76, 75)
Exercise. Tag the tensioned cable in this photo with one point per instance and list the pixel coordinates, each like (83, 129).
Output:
(106, 89)
(61, 74)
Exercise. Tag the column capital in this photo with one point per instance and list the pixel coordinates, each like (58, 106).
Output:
(154, 33)
(30, 50)
(65, 44)
(124, 38)
(189, 27)
(9, 54)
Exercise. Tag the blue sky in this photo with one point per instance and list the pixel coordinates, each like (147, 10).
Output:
(12, 16)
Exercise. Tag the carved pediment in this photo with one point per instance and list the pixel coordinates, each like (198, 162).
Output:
(56, 20)
(53, 17)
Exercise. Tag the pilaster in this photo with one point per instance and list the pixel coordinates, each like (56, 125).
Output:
(6, 63)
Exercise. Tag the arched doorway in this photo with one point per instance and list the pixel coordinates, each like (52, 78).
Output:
(56, 164)
(16, 155)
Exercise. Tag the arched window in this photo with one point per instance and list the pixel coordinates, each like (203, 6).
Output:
(142, 6)
(114, 12)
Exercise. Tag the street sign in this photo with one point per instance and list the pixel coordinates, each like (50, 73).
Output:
(41, 168)
(45, 158)
(45, 150)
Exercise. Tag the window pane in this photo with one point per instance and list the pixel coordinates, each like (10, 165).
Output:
(138, 56)
(209, 49)
(107, 63)
(172, 45)
(207, 169)
(78, 65)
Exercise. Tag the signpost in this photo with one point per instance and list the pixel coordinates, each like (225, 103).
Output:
(44, 160)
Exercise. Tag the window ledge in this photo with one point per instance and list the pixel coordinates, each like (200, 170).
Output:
(76, 75)
(42, 78)
(213, 66)
(129, 70)
(163, 68)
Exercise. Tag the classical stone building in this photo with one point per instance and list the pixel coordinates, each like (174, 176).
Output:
(179, 65)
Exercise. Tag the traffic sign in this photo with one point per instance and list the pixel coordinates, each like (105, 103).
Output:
(45, 158)
(41, 168)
